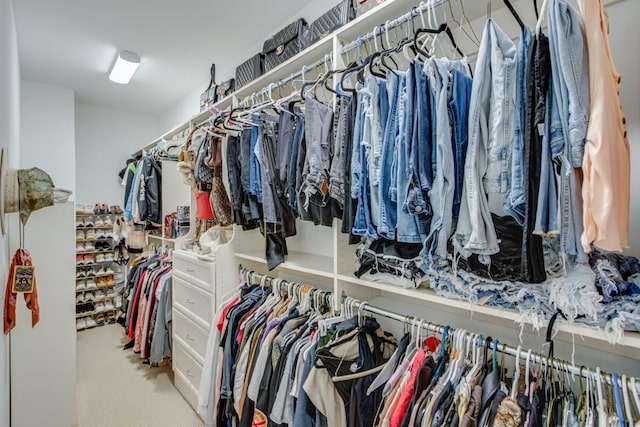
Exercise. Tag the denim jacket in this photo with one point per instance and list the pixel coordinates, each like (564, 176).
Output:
(570, 74)
(491, 116)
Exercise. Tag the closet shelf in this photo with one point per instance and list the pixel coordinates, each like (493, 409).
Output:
(311, 264)
(628, 345)
(164, 239)
(93, 252)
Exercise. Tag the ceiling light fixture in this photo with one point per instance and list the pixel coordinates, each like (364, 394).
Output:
(125, 66)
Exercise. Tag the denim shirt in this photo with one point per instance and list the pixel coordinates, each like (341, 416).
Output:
(570, 74)
(491, 114)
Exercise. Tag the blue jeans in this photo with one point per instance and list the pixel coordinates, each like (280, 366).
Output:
(459, 97)
(546, 221)
(372, 140)
(255, 184)
(388, 209)
(490, 134)
(514, 203)
(363, 225)
(407, 226)
(419, 166)
(292, 198)
(442, 193)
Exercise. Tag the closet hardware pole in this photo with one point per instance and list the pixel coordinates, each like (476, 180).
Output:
(558, 364)
(417, 11)
(507, 349)
(284, 81)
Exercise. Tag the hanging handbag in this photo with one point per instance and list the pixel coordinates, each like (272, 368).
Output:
(203, 206)
(225, 89)
(220, 203)
(210, 95)
(331, 20)
(283, 45)
(202, 173)
(364, 6)
(249, 70)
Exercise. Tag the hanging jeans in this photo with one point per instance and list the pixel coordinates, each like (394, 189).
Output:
(533, 269)
(488, 160)
(516, 197)
(388, 210)
(419, 165)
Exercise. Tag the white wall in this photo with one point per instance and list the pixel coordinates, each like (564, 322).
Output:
(43, 358)
(105, 138)
(9, 137)
(190, 104)
(47, 135)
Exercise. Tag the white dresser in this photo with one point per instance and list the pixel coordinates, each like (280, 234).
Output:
(197, 286)
(194, 302)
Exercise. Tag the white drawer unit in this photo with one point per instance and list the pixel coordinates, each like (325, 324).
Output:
(186, 365)
(189, 392)
(191, 266)
(190, 333)
(193, 301)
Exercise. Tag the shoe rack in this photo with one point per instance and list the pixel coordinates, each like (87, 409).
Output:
(97, 274)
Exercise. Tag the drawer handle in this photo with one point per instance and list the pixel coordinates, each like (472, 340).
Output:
(191, 270)
(190, 301)
(190, 338)
(189, 373)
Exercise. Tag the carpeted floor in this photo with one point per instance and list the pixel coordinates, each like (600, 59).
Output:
(116, 389)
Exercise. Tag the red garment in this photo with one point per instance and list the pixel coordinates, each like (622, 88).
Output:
(405, 395)
(21, 257)
(134, 305)
(225, 310)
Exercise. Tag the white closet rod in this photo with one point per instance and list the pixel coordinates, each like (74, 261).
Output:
(559, 364)
(389, 25)
(305, 68)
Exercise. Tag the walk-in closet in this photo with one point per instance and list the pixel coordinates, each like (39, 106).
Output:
(320, 213)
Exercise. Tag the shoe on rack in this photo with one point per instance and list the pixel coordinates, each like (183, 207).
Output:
(118, 302)
(89, 247)
(79, 298)
(100, 294)
(99, 307)
(88, 259)
(80, 236)
(91, 235)
(111, 292)
(81, 324)
(80, 274)
(81, 285)
(101, 235)
(91, 322)
(89, 297)
(99, 222)
(79, 259)
(108, 257)
(108, 270)
(108, 222)
(104, 209)
(96, 209)
(108, 306)
(80, 223)
(80, 247)
(91, 284)
(88, 223)
(100, 258)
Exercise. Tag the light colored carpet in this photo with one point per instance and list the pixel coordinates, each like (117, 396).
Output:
(116, 389)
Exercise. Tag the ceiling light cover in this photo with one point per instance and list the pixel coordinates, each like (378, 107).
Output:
(126, 65)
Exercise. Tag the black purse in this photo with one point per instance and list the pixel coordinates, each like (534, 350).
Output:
(249, 70)
(331, 20)
(283, 45)
(225, 89)
(210, 95)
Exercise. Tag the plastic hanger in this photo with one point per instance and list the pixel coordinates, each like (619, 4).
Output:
(620, 408)
(541, 17)
(635, 394)
(513, 12)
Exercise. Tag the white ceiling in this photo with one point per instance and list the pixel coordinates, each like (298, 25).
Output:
(73, 44)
